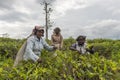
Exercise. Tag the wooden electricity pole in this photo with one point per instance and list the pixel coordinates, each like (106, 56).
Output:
(46, 20)
(47, 10)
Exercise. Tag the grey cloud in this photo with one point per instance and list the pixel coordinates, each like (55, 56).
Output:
(6, 4)
(92, 21)
(13, 16)
(48, 1)
(97, 11)
(91, 15)
(9, 13)
(105, 29)
(99, 29)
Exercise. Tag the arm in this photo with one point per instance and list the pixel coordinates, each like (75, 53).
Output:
(61, 44)
(91, 49)
(29, 50)
(73, 47)
(46, 46)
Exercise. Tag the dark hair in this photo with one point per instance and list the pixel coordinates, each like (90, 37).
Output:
(35, 31)
(81, 38)
(57, 30)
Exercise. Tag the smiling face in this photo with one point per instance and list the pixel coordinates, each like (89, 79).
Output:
(81, 40)
(57, 30)
(40, 33)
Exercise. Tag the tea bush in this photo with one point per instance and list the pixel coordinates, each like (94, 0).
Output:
(67, 65)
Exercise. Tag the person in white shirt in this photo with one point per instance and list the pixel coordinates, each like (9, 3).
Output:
(35, 44)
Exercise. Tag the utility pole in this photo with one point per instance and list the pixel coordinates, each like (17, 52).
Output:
(46, 19)
(47, 10)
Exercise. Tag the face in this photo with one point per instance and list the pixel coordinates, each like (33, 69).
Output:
(40, 33)
(81, 41)
(57, 31)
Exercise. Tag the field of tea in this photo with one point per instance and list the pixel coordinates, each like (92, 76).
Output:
(67, 65)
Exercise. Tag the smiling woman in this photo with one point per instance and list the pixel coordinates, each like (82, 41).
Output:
(31, 49)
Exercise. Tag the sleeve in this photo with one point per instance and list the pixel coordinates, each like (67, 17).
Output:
(29, 50)
(46, 46)
(73, 46)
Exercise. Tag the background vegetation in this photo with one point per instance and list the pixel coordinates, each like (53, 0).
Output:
(67, 65)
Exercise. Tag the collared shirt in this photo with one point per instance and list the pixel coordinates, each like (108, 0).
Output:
(34, 48)
(80, 48)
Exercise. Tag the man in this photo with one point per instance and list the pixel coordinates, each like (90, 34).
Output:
(80, 45)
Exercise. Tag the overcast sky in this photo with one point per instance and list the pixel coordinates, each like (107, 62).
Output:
(92, 18)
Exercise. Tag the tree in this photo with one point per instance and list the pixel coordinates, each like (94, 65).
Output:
(47, 10)
(5, 35)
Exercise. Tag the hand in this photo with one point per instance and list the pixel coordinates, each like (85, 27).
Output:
(39, 60)
(54, 47)
(87, 49)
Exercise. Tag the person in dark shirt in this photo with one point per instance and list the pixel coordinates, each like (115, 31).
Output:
(81, 46)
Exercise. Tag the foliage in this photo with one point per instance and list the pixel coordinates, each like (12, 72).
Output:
(67, 65)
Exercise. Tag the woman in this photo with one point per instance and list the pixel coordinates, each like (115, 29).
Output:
(35, 44)
(57, 39)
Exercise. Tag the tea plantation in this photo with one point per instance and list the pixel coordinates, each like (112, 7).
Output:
(67, 65)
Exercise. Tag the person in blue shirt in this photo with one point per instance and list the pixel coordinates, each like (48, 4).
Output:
(35, 44)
